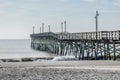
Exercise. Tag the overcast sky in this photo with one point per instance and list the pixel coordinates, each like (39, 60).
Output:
(18, 16)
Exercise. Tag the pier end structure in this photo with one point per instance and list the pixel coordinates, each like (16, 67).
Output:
(46, 41)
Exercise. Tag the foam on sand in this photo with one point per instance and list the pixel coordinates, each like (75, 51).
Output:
(65, 58)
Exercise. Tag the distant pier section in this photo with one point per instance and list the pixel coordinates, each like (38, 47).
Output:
(103, 45)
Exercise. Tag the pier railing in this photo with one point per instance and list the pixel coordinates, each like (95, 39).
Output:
(45, 34)
(101, 35)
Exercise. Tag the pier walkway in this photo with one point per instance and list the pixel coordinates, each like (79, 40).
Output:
(103, 45)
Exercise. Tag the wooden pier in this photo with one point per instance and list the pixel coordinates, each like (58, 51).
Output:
(85, 45)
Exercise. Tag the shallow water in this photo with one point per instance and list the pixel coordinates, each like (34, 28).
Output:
(18, 48)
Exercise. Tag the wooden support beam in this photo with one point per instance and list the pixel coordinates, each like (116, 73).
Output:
(114, 50)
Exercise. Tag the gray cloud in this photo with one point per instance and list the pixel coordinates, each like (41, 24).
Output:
(117, 3)
(90, 0)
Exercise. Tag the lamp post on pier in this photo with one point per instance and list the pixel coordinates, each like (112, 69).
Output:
(49, 27)
(65, 26)
(96, 21)
(61, 27)
(33, 29)
(42, 27)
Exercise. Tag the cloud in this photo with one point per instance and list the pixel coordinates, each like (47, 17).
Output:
(5, 4)
(109, 11)
(117, 3)
(62, 0)
(90, 0)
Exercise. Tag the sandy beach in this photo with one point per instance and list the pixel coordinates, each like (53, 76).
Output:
(60, 70)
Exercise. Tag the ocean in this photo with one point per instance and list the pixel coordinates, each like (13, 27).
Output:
(19, 48)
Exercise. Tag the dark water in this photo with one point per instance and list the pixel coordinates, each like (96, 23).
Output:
(18, 48)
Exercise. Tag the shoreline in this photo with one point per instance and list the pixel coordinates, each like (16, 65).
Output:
(26, 59)
(87, 64)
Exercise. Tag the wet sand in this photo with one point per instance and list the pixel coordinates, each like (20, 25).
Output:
(63, 64)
